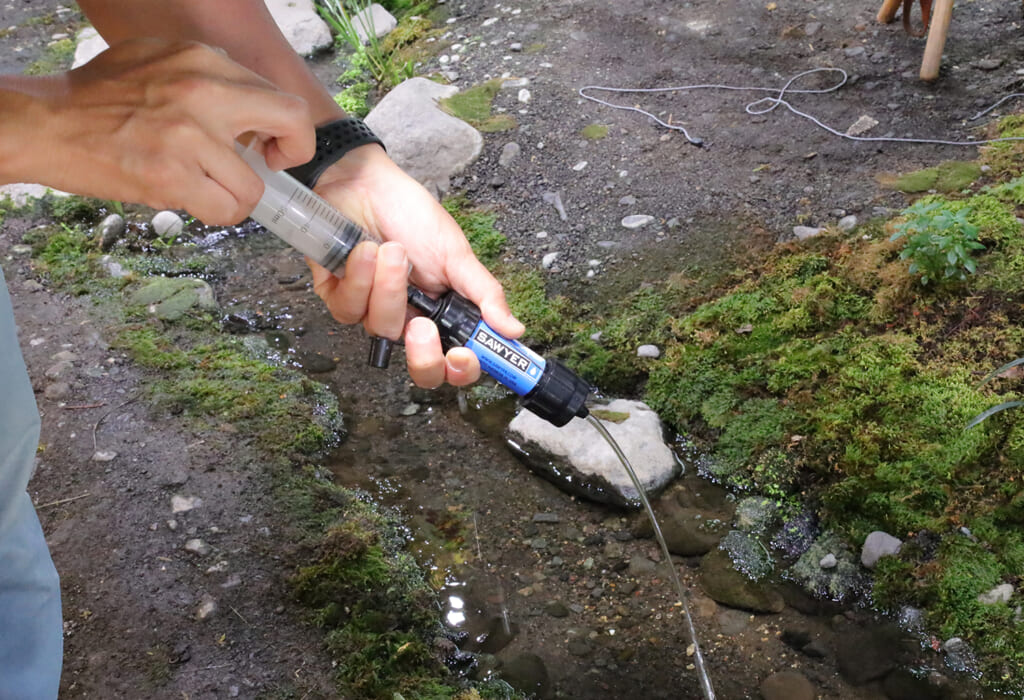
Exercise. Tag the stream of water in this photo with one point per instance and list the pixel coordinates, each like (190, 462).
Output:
(702, 671)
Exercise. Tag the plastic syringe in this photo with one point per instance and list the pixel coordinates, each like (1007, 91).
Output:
(308, 223)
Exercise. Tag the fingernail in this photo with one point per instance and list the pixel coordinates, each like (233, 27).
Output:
(458, 363)
(393, 254)
(368, 251)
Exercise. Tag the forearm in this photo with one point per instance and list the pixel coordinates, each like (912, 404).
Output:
(243, 28)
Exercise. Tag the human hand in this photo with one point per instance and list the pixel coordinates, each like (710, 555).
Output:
(155, 122)
(370, 189)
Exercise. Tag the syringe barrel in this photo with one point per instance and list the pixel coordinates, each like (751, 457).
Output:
(301, 218)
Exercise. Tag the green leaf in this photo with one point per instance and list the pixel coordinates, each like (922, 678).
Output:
(992, 411)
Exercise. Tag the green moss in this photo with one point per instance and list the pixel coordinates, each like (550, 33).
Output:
(950, 176)
(57, 57)
(409, 30)
(610, 416)
(593, 132)
(479, 226)
(353, 99)
(548, 319)
(473, 105)
(1004, 158)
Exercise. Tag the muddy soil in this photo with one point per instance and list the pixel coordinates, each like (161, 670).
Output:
(133, 593)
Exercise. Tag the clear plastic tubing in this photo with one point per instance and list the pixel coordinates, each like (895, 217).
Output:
(302, 219)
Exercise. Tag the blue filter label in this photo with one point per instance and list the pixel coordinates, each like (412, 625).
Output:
(510, 362)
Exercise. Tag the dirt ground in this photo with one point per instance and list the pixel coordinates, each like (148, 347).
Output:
(133, 594)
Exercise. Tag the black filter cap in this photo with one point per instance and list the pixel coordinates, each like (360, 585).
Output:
(560, 395)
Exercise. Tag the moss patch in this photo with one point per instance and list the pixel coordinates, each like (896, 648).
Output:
(473, 105)
(951, 176)
(593, 132)
(479, 226)
(57, 57)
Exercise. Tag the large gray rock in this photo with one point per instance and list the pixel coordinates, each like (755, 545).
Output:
(579, 461)
(426, 142)
(375, 20)
(301, 25)
(297, 19)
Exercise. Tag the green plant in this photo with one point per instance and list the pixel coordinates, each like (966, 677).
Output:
(346, 22)
(939, 243)
(1000, 407)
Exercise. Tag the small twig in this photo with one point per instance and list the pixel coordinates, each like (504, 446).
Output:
(62, 501)
(239, 615)
(84, 406)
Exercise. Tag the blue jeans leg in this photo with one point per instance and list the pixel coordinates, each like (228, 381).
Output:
(31, 626)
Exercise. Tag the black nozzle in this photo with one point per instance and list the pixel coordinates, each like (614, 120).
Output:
(380, 352)
(559, 396)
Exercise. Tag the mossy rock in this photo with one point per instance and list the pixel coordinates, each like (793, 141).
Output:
(725, 585)
(170, 298)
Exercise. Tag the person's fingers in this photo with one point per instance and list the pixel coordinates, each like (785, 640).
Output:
(385, 315)
(225, 172)
(462, 367)
(349, 298)
(423, 353)
(469, 277)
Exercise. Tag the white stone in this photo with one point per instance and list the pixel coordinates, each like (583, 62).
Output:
(509, 152)
(197, 546)
(167, 224)
(580, 166)
(649, 351)
(104, 456)
(524, 96)
(635, 221)
(828, 561)
(426, 142)
(183, 504)
(878, 544)
(581, 462)
(848, 223)
(549, 260)
(863, 125)
(21, 193)
(300, 23)
(88, 45)
(1000, 594)
(206, 609)
(802, 233)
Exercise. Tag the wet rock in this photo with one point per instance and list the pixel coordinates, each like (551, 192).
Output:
(687, 531)
(57, 390)
(429, 144)
(315, 363)
(725, 585)
(866, 655)
(170, 298)
(878, 544)
(835, 582)
(906, 684)
(748, 555)
(756, 513)
(733, 622)
(795, 638)
(110, 230)
(546, 518)
(509, 152)
(641, 566)
(578, 461)
(579, 647)
(556, 608)
(787, 685)
(987, 64)
(635, 221)
(167, 224)
(528, 674)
